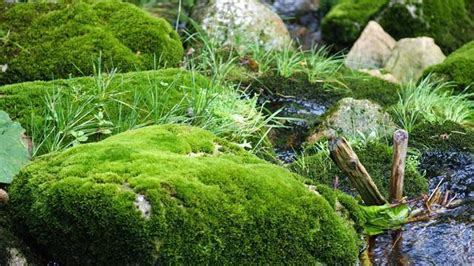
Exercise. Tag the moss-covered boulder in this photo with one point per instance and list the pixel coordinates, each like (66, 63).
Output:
(174, 194)
(49, 41)
(442, 136)
(448, 22)
(457, 67)
(377, 157)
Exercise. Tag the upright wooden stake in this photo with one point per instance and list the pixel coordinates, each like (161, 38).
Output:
(400, 145)
(346, 159)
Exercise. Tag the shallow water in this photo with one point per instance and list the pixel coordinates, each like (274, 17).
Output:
(447, 240)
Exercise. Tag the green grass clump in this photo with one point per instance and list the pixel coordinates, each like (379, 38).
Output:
(44, 41)
(62, 113)
(316, 164)
(447, 21)
(433, 101)
(345, 21)
(457, 67)
(211, 203)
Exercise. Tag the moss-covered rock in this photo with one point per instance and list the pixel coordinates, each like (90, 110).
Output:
(377, 159)
(447, 21)
(446, 136)
(458, 67)
(345, 21)
(174, 194)
(49, 41)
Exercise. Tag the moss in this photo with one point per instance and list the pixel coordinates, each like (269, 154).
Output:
(352, 84)
(345, 21)
(446, 136)
(457, 67)
(377, 159)
(446, 21)
(211, 202)
(50, 41)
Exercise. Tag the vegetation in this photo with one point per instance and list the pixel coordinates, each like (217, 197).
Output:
(63, 113)
(41, 41)
(442, 136)
(432, 101)
(316, 164)
(211, 202)
(457, 67)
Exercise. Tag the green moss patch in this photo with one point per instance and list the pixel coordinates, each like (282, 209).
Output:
(50, 41)
(209, 202)
(457, 67)
(377, 159)
(446, 136)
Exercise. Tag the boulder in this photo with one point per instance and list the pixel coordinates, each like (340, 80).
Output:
(174, 194)
(242, 22)
(352, 118)
(411, 56)
(372, 49)
(52, 41)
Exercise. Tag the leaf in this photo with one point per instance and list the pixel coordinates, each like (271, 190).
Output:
(13, 151)
(385, 217)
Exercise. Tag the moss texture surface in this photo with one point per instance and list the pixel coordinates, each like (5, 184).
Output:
(211, 202)
(49, 41)
(446, 136)
(458, 67)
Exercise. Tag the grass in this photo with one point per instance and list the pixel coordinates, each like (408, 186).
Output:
(433, 101)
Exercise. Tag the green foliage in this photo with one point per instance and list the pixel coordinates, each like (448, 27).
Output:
(345, 21)
(211, 203)
(433, 101)
(62, 113)
(443, 136)
(385, 217)
(13, 152)
(446, 21)
(44, 41)
(457, 67)
(316, 164)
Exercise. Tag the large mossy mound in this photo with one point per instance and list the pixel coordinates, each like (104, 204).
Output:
(458, 67)
(443, 136)
(49, 41)
(210, 202)
(448, 22)
(377, 159)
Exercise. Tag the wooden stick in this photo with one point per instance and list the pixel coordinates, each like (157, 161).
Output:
(400, 146)
(346, 159)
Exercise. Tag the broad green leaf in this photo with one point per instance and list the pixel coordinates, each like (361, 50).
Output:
(381, 218)
(13, 151)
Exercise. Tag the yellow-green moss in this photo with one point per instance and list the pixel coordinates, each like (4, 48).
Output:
(211, 203)
(457, 67)
(51, 41)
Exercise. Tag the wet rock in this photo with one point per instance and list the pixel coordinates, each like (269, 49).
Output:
(411, 56)
(295, 7)
(372, 49)
(241, 22)
(353, 117)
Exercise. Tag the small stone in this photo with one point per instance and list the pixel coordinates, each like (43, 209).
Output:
(3, 197)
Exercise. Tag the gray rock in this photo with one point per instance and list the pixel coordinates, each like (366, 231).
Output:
(354, 118)
(295, 7)
(411, 56)
(242, 22)
(372, 49)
